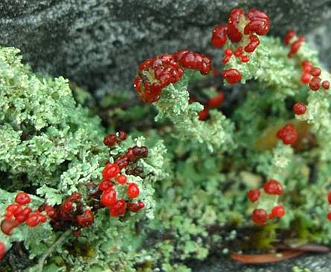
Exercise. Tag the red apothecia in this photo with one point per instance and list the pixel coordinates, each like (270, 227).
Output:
(253, 195)
(288, 134)
(260, 216)
(273, 187)
(299, 108)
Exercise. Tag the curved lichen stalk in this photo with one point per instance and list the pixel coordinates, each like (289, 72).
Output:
(174, 105)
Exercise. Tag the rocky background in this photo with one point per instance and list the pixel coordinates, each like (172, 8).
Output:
(99, 43)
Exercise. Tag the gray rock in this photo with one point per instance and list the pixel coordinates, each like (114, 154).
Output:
(99, 43)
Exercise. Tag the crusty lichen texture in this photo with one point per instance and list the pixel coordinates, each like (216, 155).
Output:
(51, 147)
(198, 170)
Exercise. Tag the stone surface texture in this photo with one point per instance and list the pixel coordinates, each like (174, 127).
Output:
(99, 43)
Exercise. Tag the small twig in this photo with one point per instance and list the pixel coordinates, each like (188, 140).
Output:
(52, 248)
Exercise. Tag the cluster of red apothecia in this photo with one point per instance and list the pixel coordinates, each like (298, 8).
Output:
(156, 73)
(295, 45)
(19, 213)
(106, 192)
(243, 29)
(288, 134)
(70, 214)
(261, 216)
(211, 103)
(77, 213)
(310, 74)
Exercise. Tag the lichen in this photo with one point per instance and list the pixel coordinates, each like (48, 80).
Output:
(197, 172)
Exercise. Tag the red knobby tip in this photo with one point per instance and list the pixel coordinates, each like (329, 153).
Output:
(253, 195)
(288, 134)
(218, 38)
(273, 187)
(289, 35)
(299, 108)
(259, 216)
(231, 75)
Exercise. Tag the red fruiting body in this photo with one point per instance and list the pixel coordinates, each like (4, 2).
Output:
(233, 31)
(329, 197)
(122, 162)
(191, 60)
(314, 83)
(34, 219)
(329, 216)
(216, 101)
(326, 85)
(22, 198)
(122, 135)
(67, 206)
(111, 170)
(42, 218)
(129, 153)
(136, 207)
(7, 226)
(133, 190)
(218, 38)
(13, 210)
(273, 187)
(228, 52)
(296, 46)
(244, 58)
(253, 195)
(289, 35)
(299, 108)
(75, 197)
(50, 211)
(86, 219)
(139, 152)
(106, 185)
(315, 71)
(306, 66)
(23, 216)
(108, 198)
(179, 54)
(110, 140)
(278, 211)
(2, 250)
(154, 75)
(231, 75)
(259, 216)
(254, 42)
(121, 179)
(259, 23)
(225, 59)
(288, 134)
(238, 51)
(118, 209)
(203, 115)
(305, 78)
